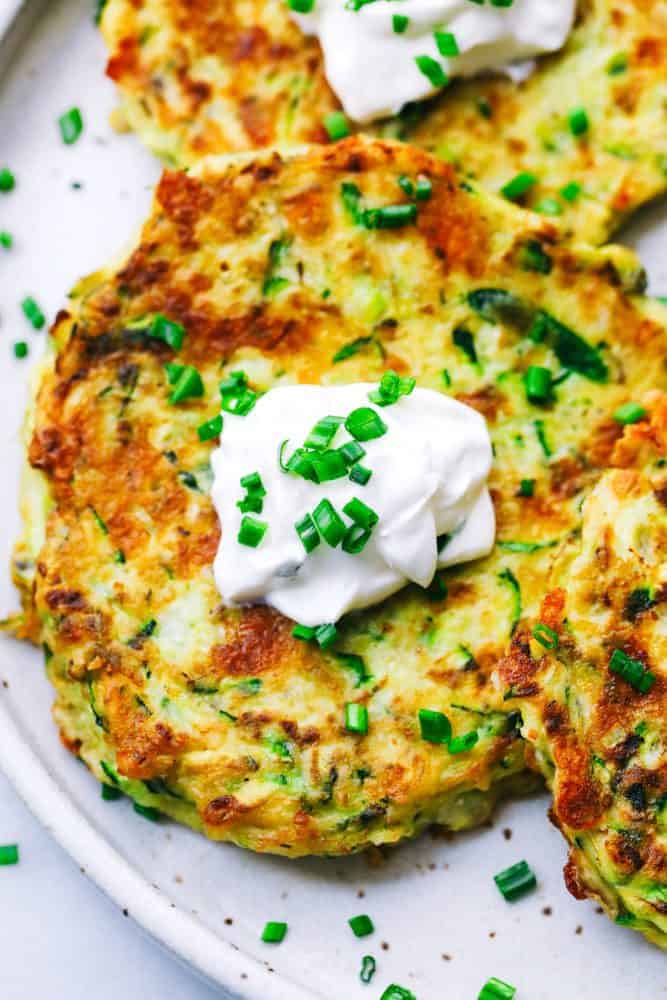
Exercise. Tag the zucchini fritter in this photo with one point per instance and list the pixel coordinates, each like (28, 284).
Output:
(277, 266)
(594, 702)
(213, 77)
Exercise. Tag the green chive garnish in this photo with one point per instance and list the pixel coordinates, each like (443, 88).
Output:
(351, 452)
(329, 523)
(9, 854)
(274, 932)
(7, 180)
(545, 636)
(549, 206)
(336, 125)
(251, 531)
(6, 240)
(326, 635)
(423, 189)
(235, 395)
(496, 989)
(447, 44)
(435, 727)
(361, 925)
(360, 513)
(400, 23)
(356, 538)
(307, 532)
(210, 429)
(33, 313)
(168, 330)
(432, 70)
(527, 488)
(578, 121)
(356, 718)
(515, 881)
(629, 413)
(571, 191)
(110, 793)
(368, 964)
(537, 381)
(360, 474)
(518, 186)
(391, 388)
(463, 743)
(148, 812)
(396, 992)
(364, 424)
(389, 217)
(20, 349)
(327, 465)
(71, 126)
(303, 632)
(188, 383)
(632, 671)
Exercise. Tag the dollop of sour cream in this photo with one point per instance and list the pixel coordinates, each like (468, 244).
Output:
(427, 487)
(372, 55)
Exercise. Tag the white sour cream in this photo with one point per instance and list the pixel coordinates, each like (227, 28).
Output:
(429, 474)
(373, 71)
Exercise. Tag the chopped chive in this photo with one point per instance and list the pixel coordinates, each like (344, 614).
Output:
(323, 433)
(9, 854)
(188, 385)
(537, 381)
(253, 483)
(351, 452)
(110, 793)
(360, 474)
(274, 931)
(301, 6)
(496, 989)
(303, 632)
(307, 532)
(527, 488)
(463, 743)
(327, 465)
(389, 216)
(329, 523)
(617, 64)
(326, 635)
(406, 185)
(541, 432)
(368, 964)
(6, 240)
(400, 23)
(570, 192)
(515, 881)
(507, 576)
(356, 538)
(446, 42)
(211, 428)
(629, 413)
(484, 108)
(396, 992)
(423, 189)
(71, 126)
(360, 513)
(357, 665)
(578, 121)
(251, 531)
(545, 636)
(632, 671)
(350, 349)
(362, 925)
(356, 717)
(251, 504)
(33, 313)
(533, 258)
(518, 185)
(549, 206)
(7, 180)
(391, 388)
(434, 726)
(432, 70)
(364, 424)
(235, 395)
(148, 812)
(168, 330)
(20, 349)
(336, 125)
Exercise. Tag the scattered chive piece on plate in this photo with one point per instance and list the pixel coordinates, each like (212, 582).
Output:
(361, 925)
(336, 125)
(434, 726)
(9, 854)
(33, 313)
(360, 474)
(7, 180)
(303, 632)
(356, 717)
(148, 812)
(432, 70)
(518, 185)
(71, 126)
(6, 240)
(515, 881)
(368, 967)
(308, 533)
(629, 413)
(274, 932)
(326, 635)
(210, 428)
(364, 424)
(301, 6)
(110, 793)
(400, 23)
(496, 989)
(396, 992)
(20, 349)
(329, 523)
(446, 42)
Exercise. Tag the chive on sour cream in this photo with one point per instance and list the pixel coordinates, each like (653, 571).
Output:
(381, 54)
(331, 498)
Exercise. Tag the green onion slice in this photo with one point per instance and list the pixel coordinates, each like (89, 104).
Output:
(515, 881)
(356, 718)
(496, 989)
(9, 854)
(632, 671)
(329, 523)
(364, 424)
(545, 636)
(434, 726)
(251, 531)
(361, 925)
(274, 932)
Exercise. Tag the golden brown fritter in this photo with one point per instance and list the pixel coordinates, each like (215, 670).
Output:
(212, 77)
(593, 702)
(275, 265)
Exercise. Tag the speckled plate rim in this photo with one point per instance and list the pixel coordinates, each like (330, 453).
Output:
(182, 934)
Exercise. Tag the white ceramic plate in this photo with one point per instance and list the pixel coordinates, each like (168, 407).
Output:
(442, 928)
